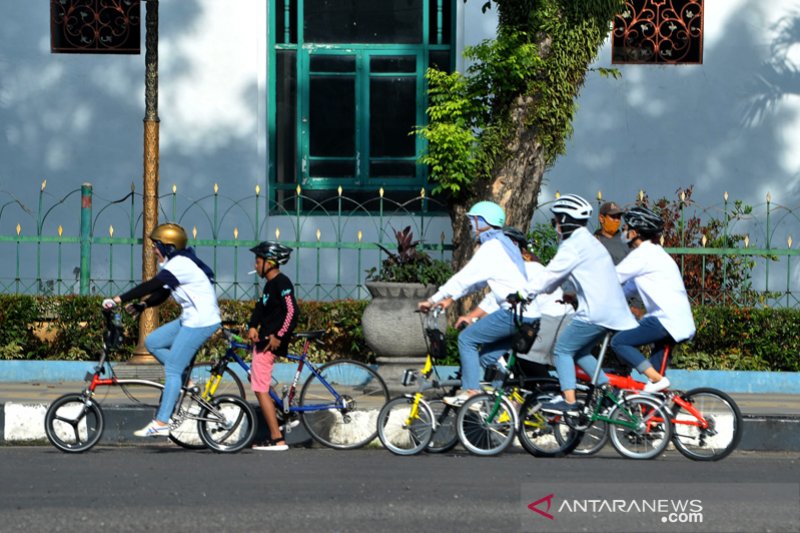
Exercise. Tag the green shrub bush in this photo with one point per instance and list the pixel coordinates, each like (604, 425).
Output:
(75, 326)
(728, 338)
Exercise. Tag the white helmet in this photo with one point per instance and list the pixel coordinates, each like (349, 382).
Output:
(573, 206)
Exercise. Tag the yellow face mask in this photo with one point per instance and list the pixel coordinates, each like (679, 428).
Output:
(609, 224)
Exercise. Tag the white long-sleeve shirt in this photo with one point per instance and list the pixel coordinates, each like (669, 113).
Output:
(544, 304)
(586, 262)
(490, 265)
(658, 280)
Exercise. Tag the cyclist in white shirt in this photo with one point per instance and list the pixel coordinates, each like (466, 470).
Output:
(497, 263)
(550, 309)
(583, 260)
(650, 271)
(189, 281)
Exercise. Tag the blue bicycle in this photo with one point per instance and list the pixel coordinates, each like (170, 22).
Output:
(338, 403)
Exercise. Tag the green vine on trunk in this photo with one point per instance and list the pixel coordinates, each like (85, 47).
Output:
(538, 61)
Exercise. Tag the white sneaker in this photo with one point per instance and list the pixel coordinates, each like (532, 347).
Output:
(153, 429)
(457, 400)
(657, 386)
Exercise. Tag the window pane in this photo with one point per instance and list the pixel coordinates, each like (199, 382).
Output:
(439, 59)
(392, 169)
(445, 21)
(281, 35)
(332, 117)
(362, 21)
(286, 116)
(332, 169)
(393, 64)
(326, 63)
(392, 115)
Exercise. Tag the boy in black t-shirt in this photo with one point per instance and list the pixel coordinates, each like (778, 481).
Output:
(270, 328)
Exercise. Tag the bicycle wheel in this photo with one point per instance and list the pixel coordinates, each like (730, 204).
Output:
(444, 437)
(595, 437)
(593, 440)
(230, 384)
(640, 428)
(185, 430)
(724, 429)
(351, 420)
(545, 434)
(228, 426)
(73, 423)
(481, 433)
(402, 434)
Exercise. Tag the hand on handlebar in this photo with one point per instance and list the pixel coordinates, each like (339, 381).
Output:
(109, 303)
(135, 309)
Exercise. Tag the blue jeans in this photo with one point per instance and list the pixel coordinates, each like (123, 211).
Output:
(574, 345)
(483, 343)
(649, 331)
(174, 346)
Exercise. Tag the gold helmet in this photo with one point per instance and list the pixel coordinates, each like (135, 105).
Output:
(170, 234)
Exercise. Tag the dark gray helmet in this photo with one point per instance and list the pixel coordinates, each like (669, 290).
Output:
(272, 251)
(519, 237)
(643, 220)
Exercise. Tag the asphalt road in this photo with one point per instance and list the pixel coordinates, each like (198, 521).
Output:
(161, 488)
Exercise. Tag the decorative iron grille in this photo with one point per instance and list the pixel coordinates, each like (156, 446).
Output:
(95, 26)
(659, 31)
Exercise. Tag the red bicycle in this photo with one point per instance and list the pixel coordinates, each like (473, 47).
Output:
(707, 423)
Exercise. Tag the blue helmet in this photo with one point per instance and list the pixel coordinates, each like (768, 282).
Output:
(492, 213)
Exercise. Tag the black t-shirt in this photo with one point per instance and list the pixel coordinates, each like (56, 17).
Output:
(276, 312)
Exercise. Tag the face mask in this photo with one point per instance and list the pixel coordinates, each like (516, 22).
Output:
(475, 224)
(610, 225)
(623, 236)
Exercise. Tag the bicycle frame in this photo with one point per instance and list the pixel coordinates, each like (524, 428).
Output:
(285, 404)
(597, 400)
(628, 383)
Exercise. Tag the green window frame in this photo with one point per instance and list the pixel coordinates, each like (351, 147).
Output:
(315, 87)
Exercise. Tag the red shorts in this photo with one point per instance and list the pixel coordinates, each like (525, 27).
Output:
(261, 370)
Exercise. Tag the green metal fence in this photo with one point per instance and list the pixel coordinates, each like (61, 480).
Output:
(335, 240)
(727, 252)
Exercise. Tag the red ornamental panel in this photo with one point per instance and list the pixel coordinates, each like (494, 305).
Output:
(95, 26)
(659, 31)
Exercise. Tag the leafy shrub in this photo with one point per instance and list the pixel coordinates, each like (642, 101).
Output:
(409, 264)
(728, 338)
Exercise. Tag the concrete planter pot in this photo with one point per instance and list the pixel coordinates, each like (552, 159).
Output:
(391, 327)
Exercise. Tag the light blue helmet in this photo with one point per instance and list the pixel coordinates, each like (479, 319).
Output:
(492, 213)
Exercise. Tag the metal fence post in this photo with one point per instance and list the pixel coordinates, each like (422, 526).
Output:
(86, 237)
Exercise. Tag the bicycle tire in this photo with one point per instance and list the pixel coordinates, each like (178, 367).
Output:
(74, 423)
(545, 434)
(396, 434)
(481, 436)
(352, 423)
(233, 433)
(650, 438)
(725, 425)
(445, 436)
(594, 438)
(186, 433)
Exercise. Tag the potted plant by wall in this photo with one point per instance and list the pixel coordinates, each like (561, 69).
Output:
(406, 276)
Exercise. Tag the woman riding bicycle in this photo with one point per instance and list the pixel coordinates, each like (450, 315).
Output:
(497, 263)
(650, 271)
(190, 282)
